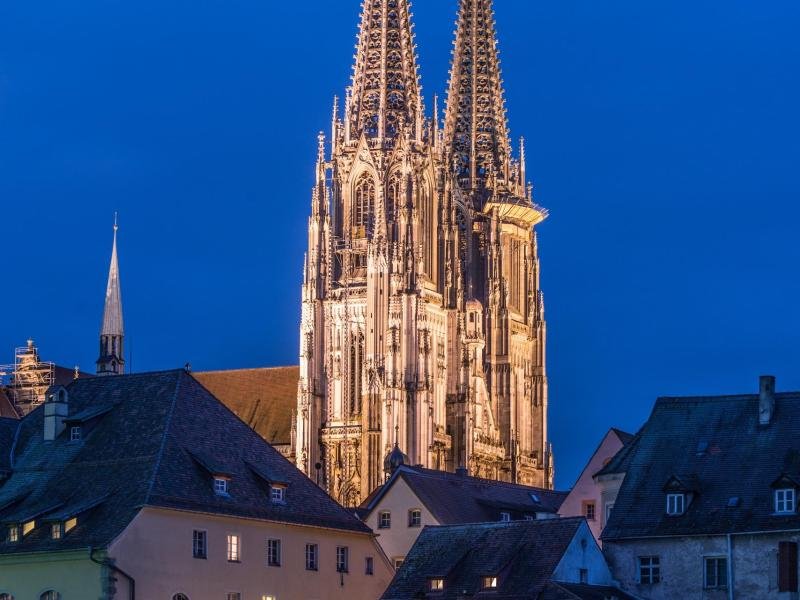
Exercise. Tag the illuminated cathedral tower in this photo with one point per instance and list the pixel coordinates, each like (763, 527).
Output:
(422, 321)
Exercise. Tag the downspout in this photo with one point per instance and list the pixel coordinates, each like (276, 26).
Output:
(107, 563)
(730, 567)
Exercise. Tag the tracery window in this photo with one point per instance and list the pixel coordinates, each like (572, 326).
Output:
(363, 205)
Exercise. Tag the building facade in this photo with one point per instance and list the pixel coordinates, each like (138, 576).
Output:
(422, 318)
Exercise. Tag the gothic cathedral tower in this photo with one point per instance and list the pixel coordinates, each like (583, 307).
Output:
(422, 322)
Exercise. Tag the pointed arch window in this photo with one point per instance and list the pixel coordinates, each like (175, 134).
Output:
(394, 197)
(363, 205)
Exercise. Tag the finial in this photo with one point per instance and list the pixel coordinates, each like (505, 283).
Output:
(115, 222)
(396, 434)
(77, 372)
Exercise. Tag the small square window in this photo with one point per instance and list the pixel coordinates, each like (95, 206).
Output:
(199, 545)
(398, 562)
(785, 501)
(278, 494)
(75, 433)
(716, 572)
(56, 531)
(505, 516)
(274, 553)
(414, 517)
(369, 566)
(384, 519)
(589, 510)
(221, 486)
(437, 584)
(649, 569)
(490, 582)
(676, 504)
(312, 557)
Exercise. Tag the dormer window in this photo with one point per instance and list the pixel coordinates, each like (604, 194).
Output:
(505, 517)
(221, 486)
(13, 534)
(278, 494)
(75, 433)
(70, 524)
(785, 501)
(437, 584)
(56, 531)
(490, 582)
(676, 504)
(28, 527)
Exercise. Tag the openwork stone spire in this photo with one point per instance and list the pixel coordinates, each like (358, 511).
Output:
(385, 87)
(112, 332)
(475, 122)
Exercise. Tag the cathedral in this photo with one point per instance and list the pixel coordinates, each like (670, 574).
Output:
(422, 333)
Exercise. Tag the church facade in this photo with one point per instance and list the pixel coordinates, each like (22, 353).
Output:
(422, 320)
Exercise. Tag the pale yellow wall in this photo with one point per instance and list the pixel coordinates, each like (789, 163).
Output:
(156, 549)
(71, 574)
(399, 499)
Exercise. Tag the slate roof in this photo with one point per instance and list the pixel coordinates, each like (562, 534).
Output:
(716, 446)
(581, 591)
(8, 429)
(7, 409)
(524, 554)
(263, 398)
(452, 498)
(139, 454)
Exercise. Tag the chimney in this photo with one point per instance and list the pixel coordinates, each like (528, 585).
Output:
(766, 399)
(56, 408)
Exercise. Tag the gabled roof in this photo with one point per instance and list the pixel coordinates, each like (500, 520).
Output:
(716, 448)
(523, 554)
(137, 454)
(263, 398)
(454, 498)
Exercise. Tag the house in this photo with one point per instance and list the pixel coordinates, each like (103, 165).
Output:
(414, 497)
(147, 486)
(551, 559)
(707, 506)
(584, 498)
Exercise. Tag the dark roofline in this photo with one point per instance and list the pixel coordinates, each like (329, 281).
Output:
(246, 369)
(499, 524)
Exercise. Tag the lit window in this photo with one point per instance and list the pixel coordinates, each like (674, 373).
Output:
(342, 559)
(199, 545)
(437, 584)
(274, 553)
(50, 595)
(266, 597)
(490, 583)
(28, 527)
(369, 566)
(504, 516)
(589, 510)
(649, 569)
(312, 557)
(70, 524)
(75, 433)
(221, 486)
(234, 596)
(414, 517)
(785, 501)
(13, 533)
(278, 494)
(676, 504)
(234, 548)
(716, 572)
(384, 519)
(56, 531)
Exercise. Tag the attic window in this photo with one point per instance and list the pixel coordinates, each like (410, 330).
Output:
(490, 582)
(221, 486)
(277, 494)
(70, 524)
(785, 501)
(505, 517)
(75, 433)
(28, 527)
(676, 504)
(57, 531)
(13, 534)
(437, 584)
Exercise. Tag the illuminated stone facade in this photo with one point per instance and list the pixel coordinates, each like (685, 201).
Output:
(422, 318)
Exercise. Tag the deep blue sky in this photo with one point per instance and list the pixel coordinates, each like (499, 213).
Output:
(663, 136)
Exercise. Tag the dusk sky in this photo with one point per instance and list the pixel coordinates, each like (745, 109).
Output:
(663, 136)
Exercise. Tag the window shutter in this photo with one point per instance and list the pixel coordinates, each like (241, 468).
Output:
(787, 567)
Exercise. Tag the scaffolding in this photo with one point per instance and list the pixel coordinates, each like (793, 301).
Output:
(27, 380)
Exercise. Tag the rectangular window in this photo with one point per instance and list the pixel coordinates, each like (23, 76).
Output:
(220, 486)
(266, 597)
(384, 519)
(274, 553)
(583, 575)
(504, 516)
(649, 569)
(70, 524)
(278, 494)
(28, 527)
(13, 533)
(312, 557)
(342, 559)
(787, 567)
(676, 504)
(609, 508)
(75, 434)
(589, 510)
(369, 566)
(56, 531)
(490, 583)
(414, 517)
(398, 562)
(234, 596)
(234, 548)
(784, 501)
(437, 584)
(716, 572)
(199, 548)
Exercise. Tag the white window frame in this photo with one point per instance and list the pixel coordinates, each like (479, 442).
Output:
(234, 549)
(13, 534)
(273, 552)
(715, 585)
(415, 517)
(676, 503)
(505, 517)
(785, 501)
(197, 535)
(221, 486)
(56, 530)
(342, 559)
(385, 519)
(277, 494)
(312, 557)
(652, 568)
(75, 433)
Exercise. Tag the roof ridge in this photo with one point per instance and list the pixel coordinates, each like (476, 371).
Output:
(498, 524)
(472, 479)
(247, 369)
(167, 426)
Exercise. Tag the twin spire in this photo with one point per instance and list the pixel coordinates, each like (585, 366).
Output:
(111, 360)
